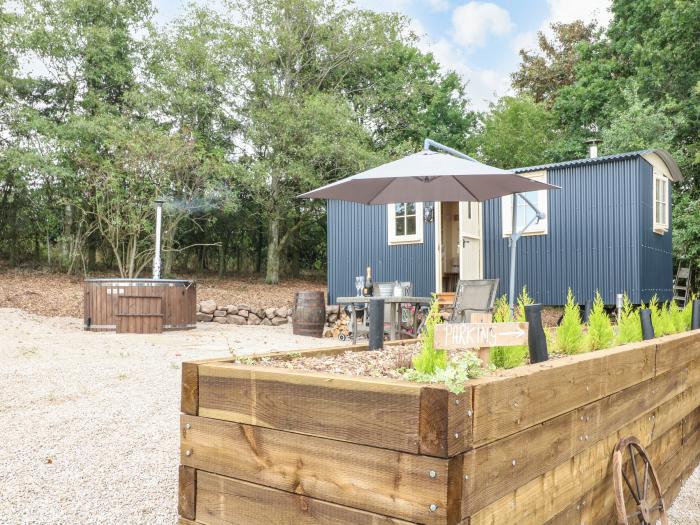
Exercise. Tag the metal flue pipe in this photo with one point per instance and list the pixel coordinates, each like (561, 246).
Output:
(156, 255)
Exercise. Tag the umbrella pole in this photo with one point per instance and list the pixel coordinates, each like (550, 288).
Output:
(514, 236)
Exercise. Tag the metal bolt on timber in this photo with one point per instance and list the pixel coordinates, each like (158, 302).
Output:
(456, 401)
(456, 435)
(433, 507)
(187, 426)
(513, 462)
(188, 452)
(432, 474)
(466, 477)
(469, 413)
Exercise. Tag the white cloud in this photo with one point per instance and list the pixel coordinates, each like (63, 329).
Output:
(484, 85)
(474, 21)
(588, 11)
(526, 40)
(439, 5)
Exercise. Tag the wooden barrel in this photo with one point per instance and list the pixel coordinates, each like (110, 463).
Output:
(309, 315)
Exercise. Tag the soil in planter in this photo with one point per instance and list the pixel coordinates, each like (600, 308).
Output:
(387, 363)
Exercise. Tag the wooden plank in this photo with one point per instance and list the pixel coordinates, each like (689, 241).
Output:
(433, 422)
(480, 335)
(509, 404)
(597, 505)
(189, 397)
(380, 413)
(546, 496)
(383, 481)
(226, 501)
(533, 394)
(184, 521)
(674, 350)
(500, 467)
(459, 420)
(186, 494)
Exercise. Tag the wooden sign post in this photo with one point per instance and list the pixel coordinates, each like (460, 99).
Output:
(481, 336)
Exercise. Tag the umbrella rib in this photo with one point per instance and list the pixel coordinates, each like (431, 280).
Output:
(379, 193)
(466, 189)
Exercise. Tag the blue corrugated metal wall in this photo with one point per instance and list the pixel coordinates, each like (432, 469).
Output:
(358, 237)
(593, 241)
(656, 250)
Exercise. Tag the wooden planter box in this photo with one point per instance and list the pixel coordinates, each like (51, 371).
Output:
(278, 446)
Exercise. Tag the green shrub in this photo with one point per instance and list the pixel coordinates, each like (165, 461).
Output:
(685, 317)
(675, 315)
(453, 376)
(629, 328)
(510, 356)
(600, 332)
(430, 358)
(661, 318)
(431, 364)
(570, 331)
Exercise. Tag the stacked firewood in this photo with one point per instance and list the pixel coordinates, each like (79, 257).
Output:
(338, 324)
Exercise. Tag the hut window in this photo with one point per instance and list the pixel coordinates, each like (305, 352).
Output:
(405, 222)
(661, 208)
(524, 211)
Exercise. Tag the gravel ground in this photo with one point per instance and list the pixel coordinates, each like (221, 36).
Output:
(90, 432)
(686, 507)
(90, 420)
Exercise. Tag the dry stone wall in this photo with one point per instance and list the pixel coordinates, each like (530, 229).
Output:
(242, 314)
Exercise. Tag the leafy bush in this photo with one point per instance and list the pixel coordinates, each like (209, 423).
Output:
(685, 317)
(430, 358)
(661, 318)
(629, 328)
(454, 375)
(600, 332)
(675, 317)
(570, 331)
(510, 356)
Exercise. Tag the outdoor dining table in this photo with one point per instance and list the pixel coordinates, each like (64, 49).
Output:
(394, 303)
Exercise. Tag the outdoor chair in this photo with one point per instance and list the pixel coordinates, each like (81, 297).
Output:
(476, 296)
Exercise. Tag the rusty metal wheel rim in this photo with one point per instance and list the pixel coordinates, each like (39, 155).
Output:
(643, 487)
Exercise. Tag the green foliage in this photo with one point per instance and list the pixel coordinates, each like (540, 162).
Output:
(629, 328)
(510, 356)
(600, 332)
(454, 375)
(570, 332)
(543, 73)
(430, 359)
(684, 319)
(515, 132)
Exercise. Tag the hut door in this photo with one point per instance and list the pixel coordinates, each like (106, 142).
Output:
(470, 252)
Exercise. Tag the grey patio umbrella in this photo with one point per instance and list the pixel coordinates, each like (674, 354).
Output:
(446, 176)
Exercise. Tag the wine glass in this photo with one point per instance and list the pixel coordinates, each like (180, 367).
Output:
(359, 284)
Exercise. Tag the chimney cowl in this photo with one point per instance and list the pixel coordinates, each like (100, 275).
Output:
(593, 147)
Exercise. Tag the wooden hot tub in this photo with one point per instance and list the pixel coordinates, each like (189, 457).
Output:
(139, 306)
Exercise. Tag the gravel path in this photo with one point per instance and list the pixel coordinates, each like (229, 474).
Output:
(90, 420)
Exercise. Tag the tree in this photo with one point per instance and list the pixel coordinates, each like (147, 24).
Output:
(319, 80)
(638, 125)
(190, 83)
(543, 73)
(516, 131)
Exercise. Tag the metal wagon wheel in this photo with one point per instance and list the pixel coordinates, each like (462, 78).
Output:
(642, 485)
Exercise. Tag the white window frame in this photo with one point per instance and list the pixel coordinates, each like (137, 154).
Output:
(661, 223)
(536, 228)
(416, 238)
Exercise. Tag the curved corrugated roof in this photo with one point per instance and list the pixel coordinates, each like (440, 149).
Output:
(664, 155)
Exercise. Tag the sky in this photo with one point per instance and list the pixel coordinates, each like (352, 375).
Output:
(479, 40)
